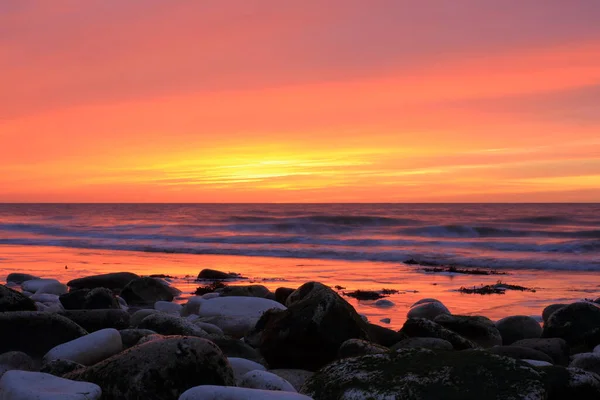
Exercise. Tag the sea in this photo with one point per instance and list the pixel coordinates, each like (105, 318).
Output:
(553, 247)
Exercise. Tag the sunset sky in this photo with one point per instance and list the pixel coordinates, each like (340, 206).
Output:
(299, 101)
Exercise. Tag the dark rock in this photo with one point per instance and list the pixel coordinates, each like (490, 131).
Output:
(428, 310)
(15, 360)
(556, 348)
(518, 327)
(587, 361)
(478, 329)
(548, 311)
(145, 291)
(573, 322)
(35, 332)
(245, 291)
(74, 299)
(19, 278)
(521, 353)
(236, 348)
(160, 369)
(310, 332)
(359, 347)
(423, 343)
(421, 327)
(416, 374)
(384, 336)
(115, 280)
(100, 298)
(210, 288)
(597, 301)
(94, 320)
(131, 337)
(296, 377)
(364, 295)
(214, 275)
(166, 324)
(282, 293)
(60, 367)
(11, 300)
(570, 383)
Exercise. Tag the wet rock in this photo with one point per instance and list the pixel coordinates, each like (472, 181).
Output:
(428, 310)
(145, 291)
(384, 303)
(587, 361)
(384, 336)
(115, 280)
(266, 381)
(421, 327)
(296, 377)
(245, 291)
(60, 367)
(19, 278)
(100, 298)
(24, 385)
(11, 300)
(282, 293)
(548, 311)
(88, 349)
(211, 392)
(518, 327)
(571, 383)
(520, 353)
(166, 324)
(131, 337)
(310, 332)
(160, 369)
(35, 332)
(478, 329)
(423, 374)
(94, 320)
(241, 366)
(556, 348)
(214, 275)
(358, 347)
(430, 343)
(573, 323)
(74, 299)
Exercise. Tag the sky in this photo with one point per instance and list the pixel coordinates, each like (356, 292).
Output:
(300, 101)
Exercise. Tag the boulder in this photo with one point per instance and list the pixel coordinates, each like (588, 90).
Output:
(88, 349)
(214, 275)
(548, 311)
(571, 383)
(245, 291)
(35, 332)
(428, 310)
(521, 353)
(383, 303)
(310, 332)
(160, 369)
(145, 291)
(359, 347)
(518, 327)
(115, 280)
(209, 328)
(166, 324)
(421, 327)
(100, 298)
(24, 385)
(265, 380)
(573, 323)
(426, 300)
(55, 287)
(60, 367)
(237, 348)
(19, 278)
(587, 361)
(168, 307)
(11, 300)
(34, 285)
(94, 320)
(235, 326)
(138, 316)
(415, 374)
(296, 377)
(282, 293)
(130, 337)
(556, 348)
(15, 360)
(211, 392)
(241, 366)
(74, 299)
(235, 306)
(384, 336)
(430, 343)
(478, 329)
(45, 298)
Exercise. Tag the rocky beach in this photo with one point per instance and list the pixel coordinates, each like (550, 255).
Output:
(126, 336)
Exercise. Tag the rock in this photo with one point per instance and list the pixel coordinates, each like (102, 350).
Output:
(424, 374)
(282, 293)
(587, 361)
(100, 298)
(166, 324)
(160, 369)
(74, 299)
(556, 348)
(384, 336)
(35, 332)
(597, 349)
(430, 343)
(520, 353)
(60, 367)
(19, 278)
(571, 383)
(426, 300)
(56, 288)
(115, 280)
(236, 326)
(573, 323)
(358, 347)
(168, 307)
(94, 320)
(241, 366)
(537, 363)
(421, 327)
(384, 303)
(310, 332)
(518, 327)
(138, 316)
(210, 392)
(237, 349)
(36, 284)
(385, 320)
(151, 338)
(296, 377)
(145, 291)
(24, 385)
(173, 290)
(214, 275)
(427, 310)
(49, 307)
(548, 311)
(208, 328)
(266, 381)
(130, 337)
(245, 291)
(478, 329)
(45, 298)
(235, 306)
(11, 300)
(88, 349)
(15, 360)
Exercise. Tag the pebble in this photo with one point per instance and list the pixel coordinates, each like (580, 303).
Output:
(384, 303)
(88, 349)
(209, 392)
(241, 366)
(265, 380)
(24, 385)
(427, 310)
(385, 320)
(168, 307)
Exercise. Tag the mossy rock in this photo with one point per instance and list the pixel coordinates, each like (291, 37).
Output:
(574, 323)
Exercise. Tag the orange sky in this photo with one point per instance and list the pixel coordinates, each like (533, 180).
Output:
(345, 100)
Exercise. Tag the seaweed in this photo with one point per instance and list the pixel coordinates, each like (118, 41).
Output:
(497, 288)
(370, 294)
(210, 288)
(467, 271)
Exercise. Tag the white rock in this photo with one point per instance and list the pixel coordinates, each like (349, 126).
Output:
(235, 306)
(45, 298)
(56, 288)
(537, 363)
(88, 349)
(265, 380)
(24, 385)
(36, 284)
(209, 328)
(384, 303)
(427, 310)
(241, 366)
(209, 392)
(168, 307)
(385, 320)
(49, 307)
(235, 326)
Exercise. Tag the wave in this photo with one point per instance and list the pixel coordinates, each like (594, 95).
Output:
(466, 231)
